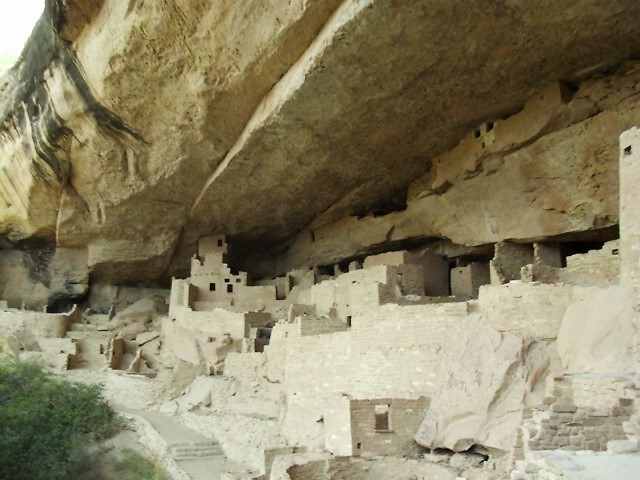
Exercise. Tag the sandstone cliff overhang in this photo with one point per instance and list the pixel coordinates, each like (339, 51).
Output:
(132, 128)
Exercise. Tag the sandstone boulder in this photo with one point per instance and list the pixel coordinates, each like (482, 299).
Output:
(103, 296)
(198, 394)
(596, 333)
(487, 378)
(197, 347)
(143, 311)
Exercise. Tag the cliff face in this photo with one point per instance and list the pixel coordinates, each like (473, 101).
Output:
(132, 128)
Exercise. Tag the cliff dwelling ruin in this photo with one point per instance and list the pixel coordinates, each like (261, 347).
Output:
(335, 239)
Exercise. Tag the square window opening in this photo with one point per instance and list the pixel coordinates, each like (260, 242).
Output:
(212, 287)
(382, 418)
(220, 243)
(230, 288)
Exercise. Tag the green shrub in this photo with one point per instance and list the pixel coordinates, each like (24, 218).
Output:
(47, 423)
(134, 466)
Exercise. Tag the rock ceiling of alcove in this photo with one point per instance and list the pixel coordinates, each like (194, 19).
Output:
(139, 126)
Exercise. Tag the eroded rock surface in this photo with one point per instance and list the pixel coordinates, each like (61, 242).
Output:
(488, 378)
(597, 333)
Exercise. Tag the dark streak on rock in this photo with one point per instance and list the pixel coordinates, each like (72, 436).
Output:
(26, 86)
(102, 115)
(36, 261)
(58, 14)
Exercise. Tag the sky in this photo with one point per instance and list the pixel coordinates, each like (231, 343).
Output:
(17, 19)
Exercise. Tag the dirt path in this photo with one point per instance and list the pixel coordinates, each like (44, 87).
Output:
(201, 457)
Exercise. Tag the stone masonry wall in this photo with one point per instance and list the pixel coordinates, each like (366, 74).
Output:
(466, 281)
(393, 352)
(529, 308)
(404, 415)
(596, 268)
(507, 261)
(584, 423)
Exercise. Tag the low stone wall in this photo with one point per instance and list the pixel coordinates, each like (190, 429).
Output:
(48, 325)
(596, 268)
(153, 441)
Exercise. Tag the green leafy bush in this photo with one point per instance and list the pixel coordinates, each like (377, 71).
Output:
(46, 423)
(134, 466)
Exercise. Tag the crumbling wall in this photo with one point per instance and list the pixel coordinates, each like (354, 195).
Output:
(466, 281)
(571, 420)
(507, 261)
(402, 417)
(597, 268)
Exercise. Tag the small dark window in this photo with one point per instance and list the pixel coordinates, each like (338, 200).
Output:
(476, 133)
(238, 280)
(229, 288)
(212, 287)
(627, 151)
(226, 280)
(489, 126)
(349, 321)
(614, 251)
(382, 418)
(220, 242)
(359, 446)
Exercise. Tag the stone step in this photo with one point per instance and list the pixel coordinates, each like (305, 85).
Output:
(194, 451)
(216, 449)
(206, 443)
